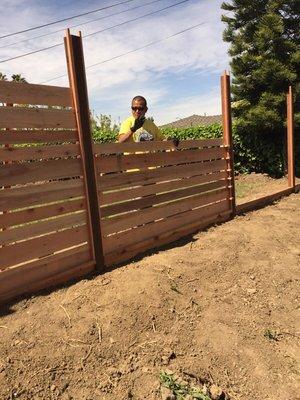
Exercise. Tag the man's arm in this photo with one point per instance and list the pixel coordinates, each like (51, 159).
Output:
(123, 137)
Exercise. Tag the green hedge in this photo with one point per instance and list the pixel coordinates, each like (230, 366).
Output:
(253, 152)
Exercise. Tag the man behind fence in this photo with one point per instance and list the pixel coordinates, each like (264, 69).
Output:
(138, 128)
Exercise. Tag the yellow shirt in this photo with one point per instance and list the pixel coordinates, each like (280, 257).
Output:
(149, 131)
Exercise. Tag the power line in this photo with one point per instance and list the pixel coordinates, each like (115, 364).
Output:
(132, 51)
(93, 33)
(81, 24)
(65, 19)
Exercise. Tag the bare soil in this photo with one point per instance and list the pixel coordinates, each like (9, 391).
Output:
(219, 307)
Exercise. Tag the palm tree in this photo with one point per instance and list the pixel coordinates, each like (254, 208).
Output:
(18, 78)
(2, 77)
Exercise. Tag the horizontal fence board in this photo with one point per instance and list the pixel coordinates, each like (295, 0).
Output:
(19, 117)
(146, 190)
(152, 200)
(26, 172)
(118, 163)
(38, 152)
(200, 143)
(28, 93)
(33, 195)
(42, 246)
(47, 136)
(142, 233)
(44, 272)
(140, 217)
(37, 213)
(114, 148)
(114, 181)
(130, 252)
(42, 227)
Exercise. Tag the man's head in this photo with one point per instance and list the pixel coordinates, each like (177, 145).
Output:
(139, 106)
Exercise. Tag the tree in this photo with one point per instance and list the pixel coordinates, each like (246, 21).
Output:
(18, 78)
(103, 128)
(264, 39)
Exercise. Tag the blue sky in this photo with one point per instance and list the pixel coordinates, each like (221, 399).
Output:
(179, 76)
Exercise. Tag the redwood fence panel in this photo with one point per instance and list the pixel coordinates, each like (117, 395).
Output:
(153, 197)
(44, 234)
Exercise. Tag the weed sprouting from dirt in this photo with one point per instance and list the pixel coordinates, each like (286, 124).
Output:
(181, 389)
(271, 335)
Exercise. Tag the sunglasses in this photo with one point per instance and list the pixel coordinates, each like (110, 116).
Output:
(138, 108)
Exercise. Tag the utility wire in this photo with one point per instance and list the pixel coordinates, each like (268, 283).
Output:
(74, 26)
(65, 19)
(133, 51)
(93, 33)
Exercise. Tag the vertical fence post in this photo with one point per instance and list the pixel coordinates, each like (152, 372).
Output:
(227, 134)
(77, 78)
(290, 139)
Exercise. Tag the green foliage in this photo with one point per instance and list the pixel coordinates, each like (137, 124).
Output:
(104, 129)
(252, 153)
(179, 389)
(194, 132)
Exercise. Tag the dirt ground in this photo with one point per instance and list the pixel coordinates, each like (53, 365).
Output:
(219, 308)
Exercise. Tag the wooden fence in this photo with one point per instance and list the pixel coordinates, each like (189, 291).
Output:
(154, 193)
(68, 206)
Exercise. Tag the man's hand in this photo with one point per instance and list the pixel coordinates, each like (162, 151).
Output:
(138, 123)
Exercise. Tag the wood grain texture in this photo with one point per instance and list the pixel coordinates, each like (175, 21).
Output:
(35, 136)
(128, 221)
(157, 199)
(119, 180)
(118, 163)
(115, 148)
(38, 153)
(28, 93)
(168, 224)
(159, 187)
(33, 195)
(45, 272)
(42, 246)
(38, 213)
(19, 117)
(26, 172)
(39, 228)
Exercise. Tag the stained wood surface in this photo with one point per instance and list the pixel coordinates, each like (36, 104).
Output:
(20, 117)
(156, 199)
(45, 272)
(33, 195)
(140, 217)
(38, 213)
(118, 163)
(113, 148)
(39, 153)
(115, 181)
(28, 93)
(171, 223)
(26, 172)
(34, 136)
(41, 246)
(39, 228)
(146, 190)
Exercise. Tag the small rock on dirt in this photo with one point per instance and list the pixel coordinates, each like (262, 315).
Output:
(216, 393)
(252, 291)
